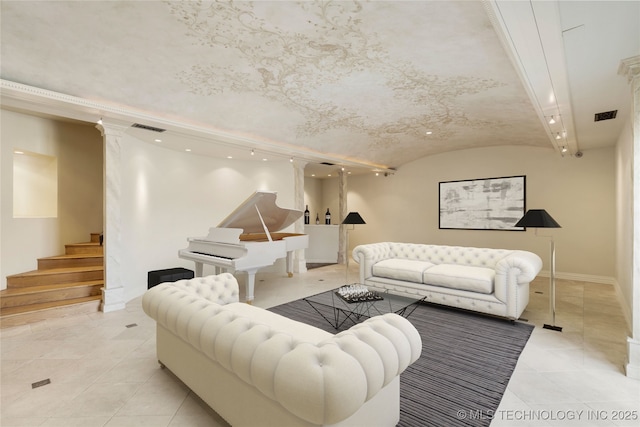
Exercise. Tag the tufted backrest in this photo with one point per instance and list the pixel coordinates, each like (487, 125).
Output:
(322, 382)
(438, 254)
(220, 288)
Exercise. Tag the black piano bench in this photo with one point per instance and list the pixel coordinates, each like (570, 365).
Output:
(169, 275)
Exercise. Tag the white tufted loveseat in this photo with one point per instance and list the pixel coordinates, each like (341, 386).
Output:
(257, 368)
(491, 281)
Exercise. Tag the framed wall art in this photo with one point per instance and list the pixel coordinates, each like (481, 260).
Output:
(482, 204)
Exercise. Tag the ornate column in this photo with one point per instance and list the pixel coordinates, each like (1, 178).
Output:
(299, 262)
(631, 69)
(343, 250)
(113, 290)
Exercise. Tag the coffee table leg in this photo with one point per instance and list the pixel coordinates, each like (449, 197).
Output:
(413, 307)
(336, 323)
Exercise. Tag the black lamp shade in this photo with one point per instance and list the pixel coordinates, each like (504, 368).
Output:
(353, 218)
(537, 218)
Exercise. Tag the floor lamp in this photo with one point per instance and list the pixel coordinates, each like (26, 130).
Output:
(352, 219)
(539, 218)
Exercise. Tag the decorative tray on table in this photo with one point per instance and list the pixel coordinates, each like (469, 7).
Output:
(357, 293)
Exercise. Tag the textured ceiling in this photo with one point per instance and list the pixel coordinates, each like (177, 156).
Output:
(361, 81)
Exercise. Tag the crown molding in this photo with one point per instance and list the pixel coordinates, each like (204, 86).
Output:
(630, 67)
(531, 35)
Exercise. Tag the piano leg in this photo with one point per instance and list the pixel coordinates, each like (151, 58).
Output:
(251, 280)
(290, 263)
(198, 269)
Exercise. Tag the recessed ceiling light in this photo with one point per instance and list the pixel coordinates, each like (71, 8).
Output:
(187, 149)
(229, 157)
(429, 132)
(264, 160)
(157, 140)
(18, 152)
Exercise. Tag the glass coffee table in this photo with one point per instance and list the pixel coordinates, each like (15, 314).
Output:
(336, 307)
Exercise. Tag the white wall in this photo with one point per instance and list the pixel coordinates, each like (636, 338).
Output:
(331, 200)
(35, 185)
(313, 198)
(578, 193)
(320, 195)
(78, 149)
(624, 220)
(168, 196)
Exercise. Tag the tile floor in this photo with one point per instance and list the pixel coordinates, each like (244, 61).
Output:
(103, 371)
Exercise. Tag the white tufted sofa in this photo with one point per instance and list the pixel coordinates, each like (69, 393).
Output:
(491, 281)
(257, 368)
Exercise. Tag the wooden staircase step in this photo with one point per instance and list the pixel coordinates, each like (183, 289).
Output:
(55, 276)
(72, 260)
(84, 248)
(63, 285)
(16, 316)
(48, 293)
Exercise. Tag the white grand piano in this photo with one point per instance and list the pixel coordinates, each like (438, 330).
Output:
(248, 240)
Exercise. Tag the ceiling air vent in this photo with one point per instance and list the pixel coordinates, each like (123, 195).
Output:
(145, 127)
(607, 115)
(327, 164)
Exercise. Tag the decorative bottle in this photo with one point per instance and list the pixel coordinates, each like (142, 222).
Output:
(306, 215)
(327, 217)
(317, 218)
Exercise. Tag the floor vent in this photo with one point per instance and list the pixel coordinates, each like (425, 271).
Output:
(607, 115)
(146, 127)
(40, 383)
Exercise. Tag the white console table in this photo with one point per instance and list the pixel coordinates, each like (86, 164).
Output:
(323, 243)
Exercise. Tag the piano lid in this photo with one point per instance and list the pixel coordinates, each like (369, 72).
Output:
(246, 216)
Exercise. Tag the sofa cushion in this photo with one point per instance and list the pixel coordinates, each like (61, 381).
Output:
(463, 277)
(401, 269)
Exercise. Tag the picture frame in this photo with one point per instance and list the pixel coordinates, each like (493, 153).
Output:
(482, 204)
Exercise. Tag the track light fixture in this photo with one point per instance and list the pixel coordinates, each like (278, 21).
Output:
(552, 120)
(558, 135)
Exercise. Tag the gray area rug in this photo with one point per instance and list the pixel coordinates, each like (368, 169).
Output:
(467, 360)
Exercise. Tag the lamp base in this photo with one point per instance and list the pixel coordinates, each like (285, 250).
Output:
(552, 327)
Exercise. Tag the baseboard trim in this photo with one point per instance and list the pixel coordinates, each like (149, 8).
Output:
(578, 277)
